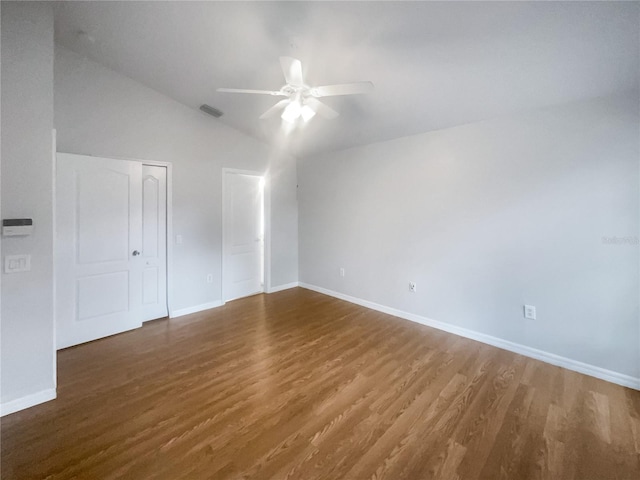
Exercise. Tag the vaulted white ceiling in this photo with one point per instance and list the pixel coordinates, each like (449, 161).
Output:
(434, 64)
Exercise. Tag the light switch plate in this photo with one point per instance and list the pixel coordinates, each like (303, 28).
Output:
(17, 263)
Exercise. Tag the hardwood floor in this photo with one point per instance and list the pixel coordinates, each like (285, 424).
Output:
(298, 385)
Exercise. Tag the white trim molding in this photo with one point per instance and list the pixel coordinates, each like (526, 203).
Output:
(27, 401)
(280, 288)
(195, 309)
(547, 357)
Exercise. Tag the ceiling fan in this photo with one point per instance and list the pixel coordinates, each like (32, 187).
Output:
(302, 100)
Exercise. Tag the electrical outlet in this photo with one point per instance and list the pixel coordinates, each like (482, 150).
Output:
(412, 287)
(17, 263)
(530, 312)
(178, 239)
(342, 272)
(210, 278)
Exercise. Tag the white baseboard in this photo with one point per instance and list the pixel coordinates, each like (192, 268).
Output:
(552, 358)
(197, 308)
(27, 401)
(206, 306)
(279, 288)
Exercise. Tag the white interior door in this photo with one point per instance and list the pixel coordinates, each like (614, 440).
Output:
(154, 242)
(243, 235)
(98, 243)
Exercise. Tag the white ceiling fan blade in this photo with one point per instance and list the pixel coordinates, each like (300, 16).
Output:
(242, 90)
(342, 89)
(322, 109)
(275, 109)
(292, 69)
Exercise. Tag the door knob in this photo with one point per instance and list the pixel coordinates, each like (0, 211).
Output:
(135, 253)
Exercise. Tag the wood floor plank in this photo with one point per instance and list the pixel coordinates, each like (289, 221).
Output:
(300, 386)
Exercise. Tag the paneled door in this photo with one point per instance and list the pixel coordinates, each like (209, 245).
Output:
(99, 265)
(243, 226)
(154, 242)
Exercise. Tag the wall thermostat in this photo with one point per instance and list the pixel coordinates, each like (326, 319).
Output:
(17, 226)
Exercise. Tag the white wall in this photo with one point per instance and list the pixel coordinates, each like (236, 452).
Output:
(485, 218)
(102, 113)
(28, 353)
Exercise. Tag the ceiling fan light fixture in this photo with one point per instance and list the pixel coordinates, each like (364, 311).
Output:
(292, 112)
(307, 113)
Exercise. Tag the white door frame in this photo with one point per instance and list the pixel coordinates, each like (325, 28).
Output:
(267, 229)
(169, 167)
